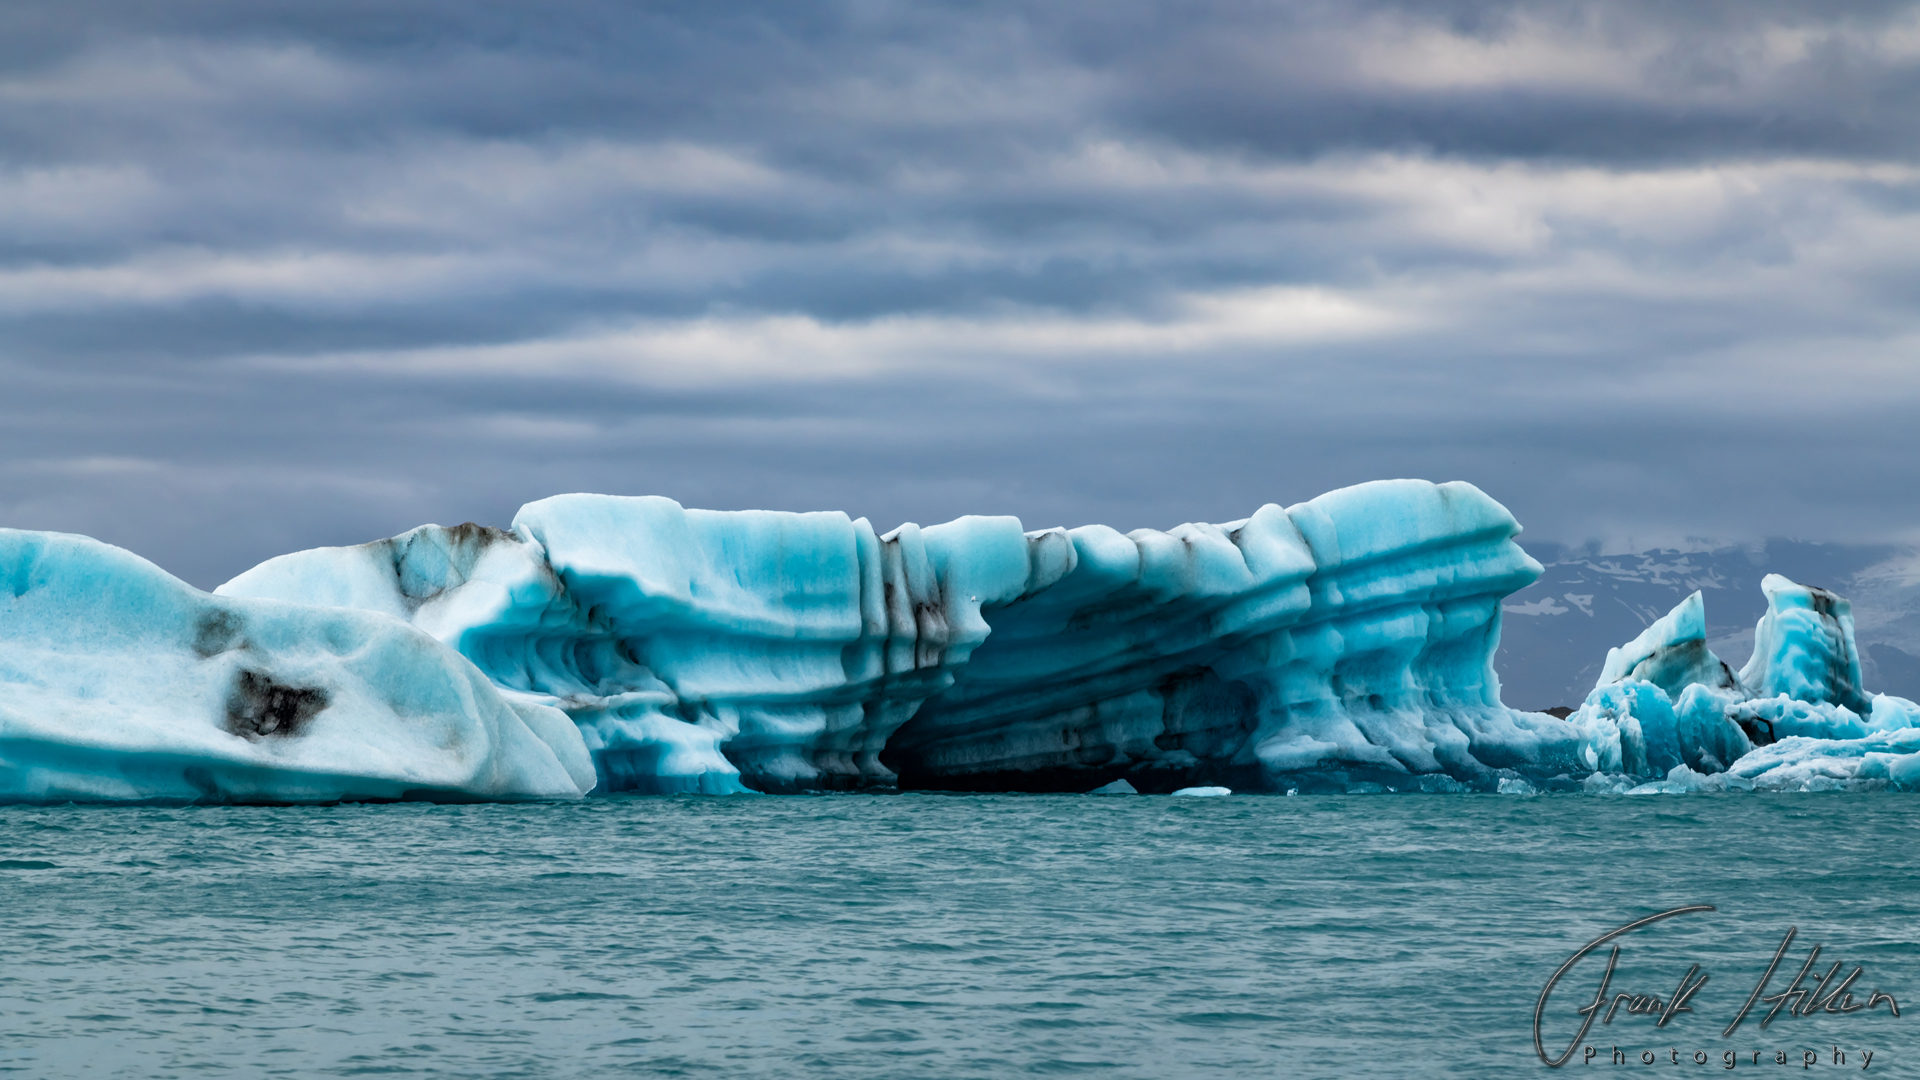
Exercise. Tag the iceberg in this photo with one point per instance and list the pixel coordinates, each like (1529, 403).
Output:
(1348, 639)
(1672, 653)
(1345, 640)
(1803, 648)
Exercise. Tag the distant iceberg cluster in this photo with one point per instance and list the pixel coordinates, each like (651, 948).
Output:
(627, 644)
(1794, 718)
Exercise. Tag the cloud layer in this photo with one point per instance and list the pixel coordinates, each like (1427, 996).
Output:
(276, 274)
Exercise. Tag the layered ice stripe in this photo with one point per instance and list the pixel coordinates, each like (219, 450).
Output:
(120, 682)
(1393, 664)
(1105, 671)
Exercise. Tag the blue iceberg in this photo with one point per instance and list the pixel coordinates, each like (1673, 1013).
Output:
(706, 651)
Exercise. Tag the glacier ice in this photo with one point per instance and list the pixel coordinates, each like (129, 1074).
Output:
(629, 644)
(1347, 639)
(1798, 763)
(119, 682)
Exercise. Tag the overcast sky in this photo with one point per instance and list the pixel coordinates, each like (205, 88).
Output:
(282, 273)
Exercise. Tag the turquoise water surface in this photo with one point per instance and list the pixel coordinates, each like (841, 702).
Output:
(940, 936)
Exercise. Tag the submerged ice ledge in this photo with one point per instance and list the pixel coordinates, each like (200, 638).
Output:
(629, 644)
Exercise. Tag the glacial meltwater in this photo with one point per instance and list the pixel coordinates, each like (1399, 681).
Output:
(953, 936)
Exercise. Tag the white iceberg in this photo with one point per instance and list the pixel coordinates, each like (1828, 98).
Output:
(120, 682)
(1799, 763)
(1671, 654)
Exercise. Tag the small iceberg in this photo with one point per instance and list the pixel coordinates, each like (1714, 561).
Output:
(1203, 792)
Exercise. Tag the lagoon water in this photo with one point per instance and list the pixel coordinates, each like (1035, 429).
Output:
(936, 936)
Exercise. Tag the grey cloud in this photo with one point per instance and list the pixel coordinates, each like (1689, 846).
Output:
(1652, 263)
(210, 473)
(855, 89)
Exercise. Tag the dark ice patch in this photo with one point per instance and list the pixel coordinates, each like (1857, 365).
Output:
(1758, 729)
(216, 632)
(430, 560)
(258, 707)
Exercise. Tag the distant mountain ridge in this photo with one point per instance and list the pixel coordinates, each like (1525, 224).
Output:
(1558, 630)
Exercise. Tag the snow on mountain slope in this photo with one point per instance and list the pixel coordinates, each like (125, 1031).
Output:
(1558, 630)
